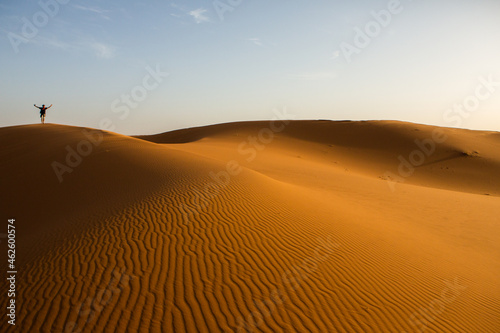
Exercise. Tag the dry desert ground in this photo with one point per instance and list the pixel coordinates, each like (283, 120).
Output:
(284, 226)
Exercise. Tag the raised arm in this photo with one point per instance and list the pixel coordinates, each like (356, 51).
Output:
(36, 106)
(49, 106)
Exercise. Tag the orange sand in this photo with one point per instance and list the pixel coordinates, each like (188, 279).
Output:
(255, 227)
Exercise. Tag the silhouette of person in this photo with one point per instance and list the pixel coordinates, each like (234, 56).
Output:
(43, 109)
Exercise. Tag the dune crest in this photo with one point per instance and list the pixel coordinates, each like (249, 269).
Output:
(296, 226)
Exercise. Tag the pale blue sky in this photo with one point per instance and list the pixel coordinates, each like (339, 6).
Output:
(84, 57)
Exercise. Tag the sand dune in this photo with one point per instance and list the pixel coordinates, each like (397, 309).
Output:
(297, 226)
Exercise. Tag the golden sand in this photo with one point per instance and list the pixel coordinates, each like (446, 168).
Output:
(308, 226)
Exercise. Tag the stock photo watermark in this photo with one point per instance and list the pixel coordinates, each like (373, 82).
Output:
(422, 318)
(75, 155)
(89, 310)
(417, 157)
(138, 94)
(371, 30)
(484, 90)
(453, 116)
(223, 6)
(293, 278)
(11, 271)
(248, 148)
(121, 106)
(31, 27)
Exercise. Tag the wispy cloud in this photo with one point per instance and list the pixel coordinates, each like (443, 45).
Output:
(179, 7)
(256, 41)
(199, 15)
(82, 44)
(96, 10)
(313, 76)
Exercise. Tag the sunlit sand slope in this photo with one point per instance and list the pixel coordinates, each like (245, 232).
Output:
(301, 226)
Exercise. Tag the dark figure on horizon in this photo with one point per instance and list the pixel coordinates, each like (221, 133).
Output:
(42, 111)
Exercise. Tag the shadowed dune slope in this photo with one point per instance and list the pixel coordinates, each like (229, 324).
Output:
(295, 226)
(403, 152)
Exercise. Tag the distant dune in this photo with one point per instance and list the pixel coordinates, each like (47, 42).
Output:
(286, 226)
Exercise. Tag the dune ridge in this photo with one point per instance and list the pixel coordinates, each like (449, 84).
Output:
(241, 228)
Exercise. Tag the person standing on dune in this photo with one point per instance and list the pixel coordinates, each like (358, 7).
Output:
(43, 109)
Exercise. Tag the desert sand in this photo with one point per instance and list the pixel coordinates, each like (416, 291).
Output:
(295, 226)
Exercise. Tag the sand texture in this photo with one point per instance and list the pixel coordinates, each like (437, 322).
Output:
(296, 226)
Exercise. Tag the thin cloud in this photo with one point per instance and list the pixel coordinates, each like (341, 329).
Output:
(96, 10)
(81, 44)
(256, 41)
(183, 11)
(176, 6)
(198, 15)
